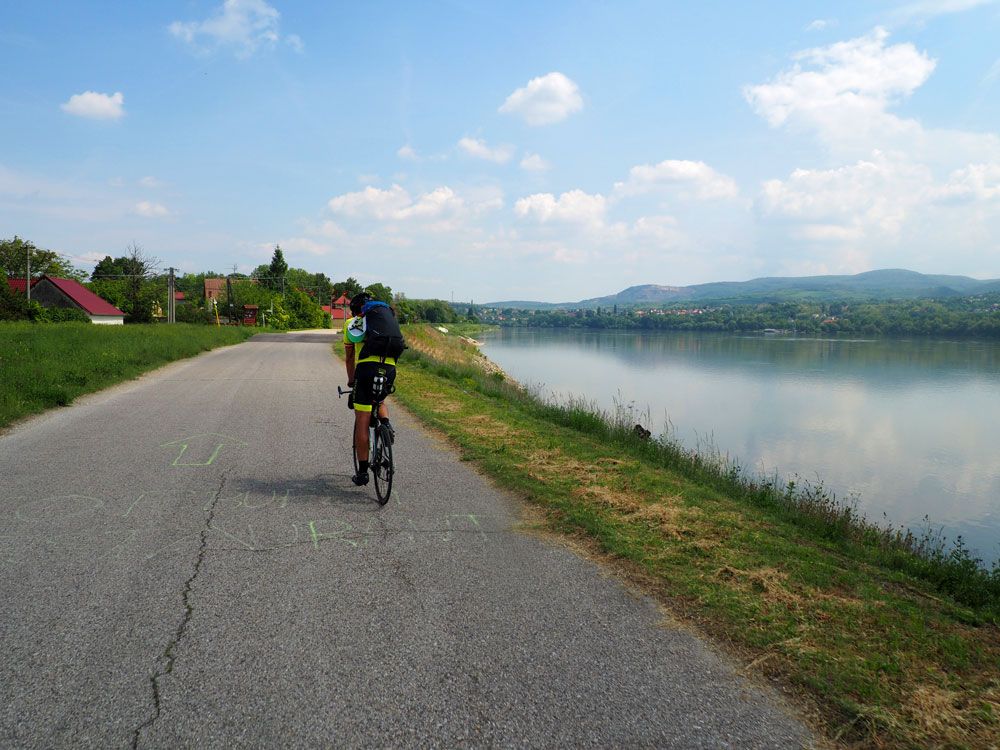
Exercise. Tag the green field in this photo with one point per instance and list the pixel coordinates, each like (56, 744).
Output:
(883, 642)
(42, 366)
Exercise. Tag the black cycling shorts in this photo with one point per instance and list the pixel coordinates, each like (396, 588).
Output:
(365, 375)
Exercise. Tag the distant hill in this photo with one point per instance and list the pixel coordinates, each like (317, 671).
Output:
(893, 283)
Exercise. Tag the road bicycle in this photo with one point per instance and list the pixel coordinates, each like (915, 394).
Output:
(380, 440)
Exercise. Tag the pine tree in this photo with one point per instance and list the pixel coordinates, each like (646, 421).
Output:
(278, 269)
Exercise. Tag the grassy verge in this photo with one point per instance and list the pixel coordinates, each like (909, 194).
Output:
(892, 641)
(50, 365)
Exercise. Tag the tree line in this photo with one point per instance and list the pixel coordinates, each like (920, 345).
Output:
(136, 283)
(972, 316)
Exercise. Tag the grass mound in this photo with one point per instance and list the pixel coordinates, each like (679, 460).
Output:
(50, 365)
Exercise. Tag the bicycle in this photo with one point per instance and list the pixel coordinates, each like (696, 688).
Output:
(380, 440)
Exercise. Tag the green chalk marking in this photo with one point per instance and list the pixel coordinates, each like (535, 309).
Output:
(134, 503)
(316, 535)
(221, 441)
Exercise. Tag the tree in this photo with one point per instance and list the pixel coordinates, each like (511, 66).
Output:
(277, 269)
(380, 292)
(12, 305)
(261, 272)
(350, 286)
(14, 261)
(126, 283)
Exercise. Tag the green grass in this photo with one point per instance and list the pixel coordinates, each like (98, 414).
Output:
(44, 366)
(892, 640)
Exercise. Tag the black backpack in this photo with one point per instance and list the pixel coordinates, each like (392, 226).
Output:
(382, 335)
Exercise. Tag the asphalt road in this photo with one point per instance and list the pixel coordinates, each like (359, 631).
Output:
(185, 563)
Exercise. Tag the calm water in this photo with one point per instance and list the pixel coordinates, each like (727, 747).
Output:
(911, 427)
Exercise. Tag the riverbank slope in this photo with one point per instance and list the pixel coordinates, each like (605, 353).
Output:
(889, 643)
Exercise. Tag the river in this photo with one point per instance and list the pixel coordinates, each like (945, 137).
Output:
(907, 429)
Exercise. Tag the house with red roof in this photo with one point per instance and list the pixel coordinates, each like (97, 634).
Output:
(339, 308)
(49, 291)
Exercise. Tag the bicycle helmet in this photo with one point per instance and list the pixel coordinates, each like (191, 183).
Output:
(358, 301)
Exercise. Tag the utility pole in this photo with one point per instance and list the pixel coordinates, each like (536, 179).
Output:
(171, 297)
(27, 281)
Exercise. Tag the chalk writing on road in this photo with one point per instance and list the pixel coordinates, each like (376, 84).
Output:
(201, 450)
(148, 524)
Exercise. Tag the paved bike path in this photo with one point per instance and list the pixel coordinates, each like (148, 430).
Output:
(184, 562)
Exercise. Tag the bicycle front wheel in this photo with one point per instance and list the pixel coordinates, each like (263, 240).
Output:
(354, 455)
(382, 468)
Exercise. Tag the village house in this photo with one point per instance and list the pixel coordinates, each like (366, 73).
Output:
(49, 291)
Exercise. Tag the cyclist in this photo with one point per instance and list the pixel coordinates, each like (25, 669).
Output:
(362, 368)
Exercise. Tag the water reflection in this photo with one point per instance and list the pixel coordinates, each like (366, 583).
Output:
(910, 426)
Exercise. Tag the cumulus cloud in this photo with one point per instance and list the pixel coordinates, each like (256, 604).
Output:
(407, 152)
(151, 210)
(480, 150)
(149, 182)
(439, 209)
(871, 196)
(573, 207)
(372, 203)
(662, 229)
(697, 176)
(975, 182)
(439, 202)
(843, 90)
(534, 163)
(95, 106)
(243, 25)
(544, 100)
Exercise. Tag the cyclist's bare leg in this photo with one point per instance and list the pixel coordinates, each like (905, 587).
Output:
(383, 411)
(361, 421)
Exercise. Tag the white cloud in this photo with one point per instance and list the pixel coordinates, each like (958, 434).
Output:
(843, 93)
(820, 23)
(151, 210)
(407, 152)
(438, 202)
(371, 203)
(975, 182)
(307, 245)
(534, 163)
(150, 182)
(923, 10)
(95, 106)
(704, 181)
(479, 149)
(871, 196)
(574, 207)
(993, 73)
(245, 25)
(845, 88)
(662, 229)
(440, 209)
(544, 100)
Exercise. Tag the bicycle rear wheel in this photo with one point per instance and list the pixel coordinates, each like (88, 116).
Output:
(382, 468)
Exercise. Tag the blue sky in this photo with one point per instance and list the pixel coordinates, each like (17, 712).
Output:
(508, 150)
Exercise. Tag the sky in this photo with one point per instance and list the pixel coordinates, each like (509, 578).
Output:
(480, 150)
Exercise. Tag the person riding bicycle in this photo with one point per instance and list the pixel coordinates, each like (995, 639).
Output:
(364, 369)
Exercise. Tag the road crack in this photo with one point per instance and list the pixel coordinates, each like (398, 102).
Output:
(169, 656)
